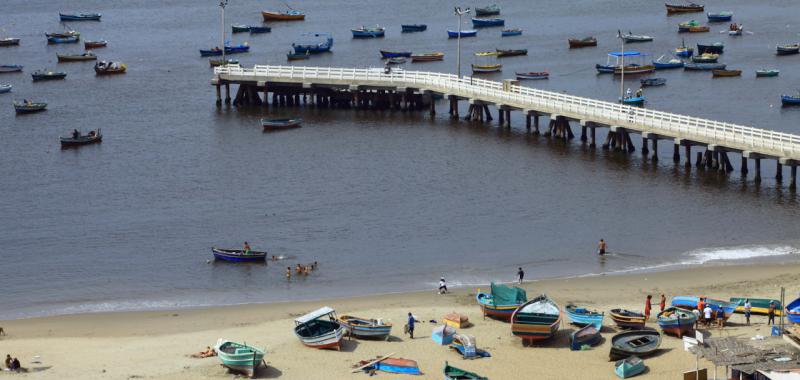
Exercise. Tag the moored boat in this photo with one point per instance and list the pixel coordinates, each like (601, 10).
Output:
(692, 26)
(260, 29)
(704, 66)
(735, 29)
(510, 52)
(489, 10)
(761, 73)
(27, 106)
(77, 139)
(533, 75)
(501, 301)
(634, 100)
(675, 321)
(396, 61)
(411, 28)
(788, 49)
(53, 40)
(280, 124)
(705, 58)
(289, 15)
(629, 367)
(627, 319)
(369, 32)
(109, 68)
(673, 63)
(241, 48)
(427, 57)
(791, 100)
(5, 88)
(66, 33)
(239, 357)
(87, 56)
(214, 62)
(487, 22)
(240, 28)
(320, 329)
(453, 373)
(582, 316)
(634, 69)
(604, 69)
(726, 73)
(684, 8)
(793, 311)
(641, 343)
(394, 54)
(714, 48)
(575, 43)
(238, 255)
(484, 69)
(314, 43)
(292, 56)
(9, 41)
(511, 32)
(588, 335)
(95, 44)
(80, 16)
(10, 68)
(365, 327)
(683, 51)
(463, 33)
(632, 38)
(720, 16)
(40, 75)
(652, 82)
(691, 302)
(758, 306)
(537, 319)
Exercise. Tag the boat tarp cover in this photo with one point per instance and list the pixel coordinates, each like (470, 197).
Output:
(542, 307)
(314, 315)
(504, 295)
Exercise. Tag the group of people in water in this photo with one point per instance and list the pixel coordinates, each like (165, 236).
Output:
(12, 364)
(299, 270)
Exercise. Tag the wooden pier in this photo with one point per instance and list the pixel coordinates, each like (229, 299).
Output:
(415, 90)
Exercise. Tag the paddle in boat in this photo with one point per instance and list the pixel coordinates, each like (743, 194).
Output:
(292, 56)
(704, 66)
(793, 311)
(214, 62)
(26, 106)
(10, 68)
(280, 124)
(260, 29)
(240, 28)
(641, 343)
(427, 57)
(109, 68)
(533, 75)
(706, 58)
(487, 22)
(314, 43)
(588, 335)
(675, 321)
(87, 56)
(510, 52)
(394, 54)
(763, 73)
(5, 88)
(365, 327)
(288, 15)
(320, 329)
(411, 28)
(40, 75)
(239, 357)
(684, 8)
(464, 33)
(536, 320)
(95, 44)
(575, 43)
(629, 367)
(652, 82)
(511, 32)
(632, 38)
(80, 16)
(238, 255)
(501, 302)
(692, 26)
(715, 48)
(788, 49)
(9, 41)
(453, 373)
(627, 319)
(790, 100)
(77, 139)
(489, 10)
(723, 16)
(758, 306)
(582, 316)
(376, 31)
(673, 63)
(726, 73)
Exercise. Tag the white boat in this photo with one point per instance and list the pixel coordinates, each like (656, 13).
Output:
(320, 329)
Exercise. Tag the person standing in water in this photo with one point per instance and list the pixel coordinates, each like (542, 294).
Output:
(601, 247)
(288, 273)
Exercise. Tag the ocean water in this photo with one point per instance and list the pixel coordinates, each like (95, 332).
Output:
(384, 201)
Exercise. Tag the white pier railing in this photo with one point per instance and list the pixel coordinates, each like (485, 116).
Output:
(732, 136)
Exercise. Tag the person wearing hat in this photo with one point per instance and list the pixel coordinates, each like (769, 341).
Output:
(442, 286)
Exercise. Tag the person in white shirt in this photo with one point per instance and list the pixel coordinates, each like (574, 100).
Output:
(747, 308)
(442, 286)
(707, 314)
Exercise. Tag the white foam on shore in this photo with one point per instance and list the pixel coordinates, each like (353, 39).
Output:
(702, 256)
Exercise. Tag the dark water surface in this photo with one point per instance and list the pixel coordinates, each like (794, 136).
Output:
(384, 201)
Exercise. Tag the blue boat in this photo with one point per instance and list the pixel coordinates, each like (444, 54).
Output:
(511, 32)
(63, 40)
(676, 321)
(790, 100)
(671, 64)
(634, 100)
(793, 309)
(629, 367)
(604, 69)
(719, 17)
(211, 52)
(240, 28)
(80, 17)
(243, 48)
(589, 335)
(691, 302)
(582, 316)
(260, 29)
(364, 32)
(487, 22)
(312, 43)
(394, 54)
(410, 28)
(704, 66)
(238, 255)
(464, 33)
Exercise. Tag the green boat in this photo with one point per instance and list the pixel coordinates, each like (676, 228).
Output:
(453, 373)
(629, 367)
(239, 357)
(758, 305)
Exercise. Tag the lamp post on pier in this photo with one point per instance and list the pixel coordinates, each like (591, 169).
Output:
(222, 5)
(459, 12)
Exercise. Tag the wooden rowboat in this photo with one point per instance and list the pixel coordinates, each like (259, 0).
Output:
(80, 17)
(726, 73)
(89, 138)
(575, 43)
(759, 306)
(427, 57)
(109, 68)
(87, 56)
(320, 329)
(290, 15)
(589, 335)
(453, 373)
(239, 357)
(641, 343)
(676, 321)
(536, 320)
(788, 49)
(95, 44)
(684, 8)
(510, 52)
(365, 327)
(627, 319)
(5, 88)
(41, 75)
(763, 73)
(484, 69)
(280, 124)
(410, 28)
(629, 367)
(582, 316)
(8, 41)
(10, 68)
(501, 302)
(489, 10)
(238, 255)
(533, 75)
(29, 107)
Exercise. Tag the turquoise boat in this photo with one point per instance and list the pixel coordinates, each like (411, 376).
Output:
(453, 373)
(582, 316)
(239, 357)
(629, 367)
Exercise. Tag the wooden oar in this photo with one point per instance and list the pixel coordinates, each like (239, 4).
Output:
(371, 363)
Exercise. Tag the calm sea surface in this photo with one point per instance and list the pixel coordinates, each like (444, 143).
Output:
(384, 201)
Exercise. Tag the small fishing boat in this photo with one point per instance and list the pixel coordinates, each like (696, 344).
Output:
(683, 51)
(109, 68)
(673, 63)
(314, 43)
(289, 15)
(511, 32)
(788, 49)
(629, 367)
(29, 107)
(464, 33)
(489, 10)
(486, 66)
(793, 311)
(582, 316)
(394, 54)
(691, 302)
(411, 28)
(763, 73)
(501, 301)
(735, 30)
(537, 319)
(95, 44)
(292, 56)
(633, 100)
(316, 331)
(652, 82)
(240, 28)
(66, 33)
(10, 68)
(692, 27)
(627, 319)
(62, 40)
(241, 48)
(369, 32)
(427, 57)
(80, 16)
(8, 41)
(714, 48)
(704, 66)
(641, 343)
(790, 100)
(214, 62)
(510, 52)
(280, 124)
(40, 75)
(588, 335)
(239, 357)
(453, 373)
(575, 43)
(684, 8)
(365, 327)
(634, 69)
(632, 38)
(213, 52)
(723, 16)
(260, 29)
(726, 73)
(706, 58)
(77, 139)
(758, 306)
(533, 75)
(238, 255)
(604, 69)
(5, 88)
(87, 56)
(487, 22)
(676, 321)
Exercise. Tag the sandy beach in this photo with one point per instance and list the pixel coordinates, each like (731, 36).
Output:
(157, 344)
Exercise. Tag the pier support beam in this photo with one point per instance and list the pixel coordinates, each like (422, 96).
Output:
(227, 93)
(645, 150)
(744, 166)
(758, 170)
(688, 148)
(676, 153)
(778, 171)
(219, 95)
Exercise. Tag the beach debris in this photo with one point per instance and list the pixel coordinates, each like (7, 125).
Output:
(466, 346)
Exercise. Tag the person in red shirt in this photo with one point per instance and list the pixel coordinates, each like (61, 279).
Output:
(663, 303)
(647, 306)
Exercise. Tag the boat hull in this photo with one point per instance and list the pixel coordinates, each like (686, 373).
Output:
(76, 58)
(781, 50)
(627, 319)
(677, 322)
(9, 42)
(582, 317)
(500, 312)
(758, 306)
(629, 367)
(414, 28)
(589, 335)
(80, 17)
(766, 74)
(83, 140)
(464, 33)
(713, 49)
(533, 76)
(280, 124)
(427, 57)
(726, 73)
(667, 65)
(62, 40)
(535, 326)
(510, 33)
(368, 33)
(329, 339)
(10, 68)
(395, 54)
(487, 22)
(282, 16)
(641, 343)
(691, 8)
(234, 255)
(719, 17)
(238, 357)
(486, 69)
(4, 89)
(793, 311)
(364, 328)
(576, 43)
(704, 66)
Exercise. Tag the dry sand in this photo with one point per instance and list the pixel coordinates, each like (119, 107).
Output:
(155, 345)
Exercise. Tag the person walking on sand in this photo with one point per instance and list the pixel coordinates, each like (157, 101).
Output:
(771, 313)
(747, 308)
(442, 286)
(520, 275)
(601, 247)
(647, 307)
(410, 325)
(663, 304)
